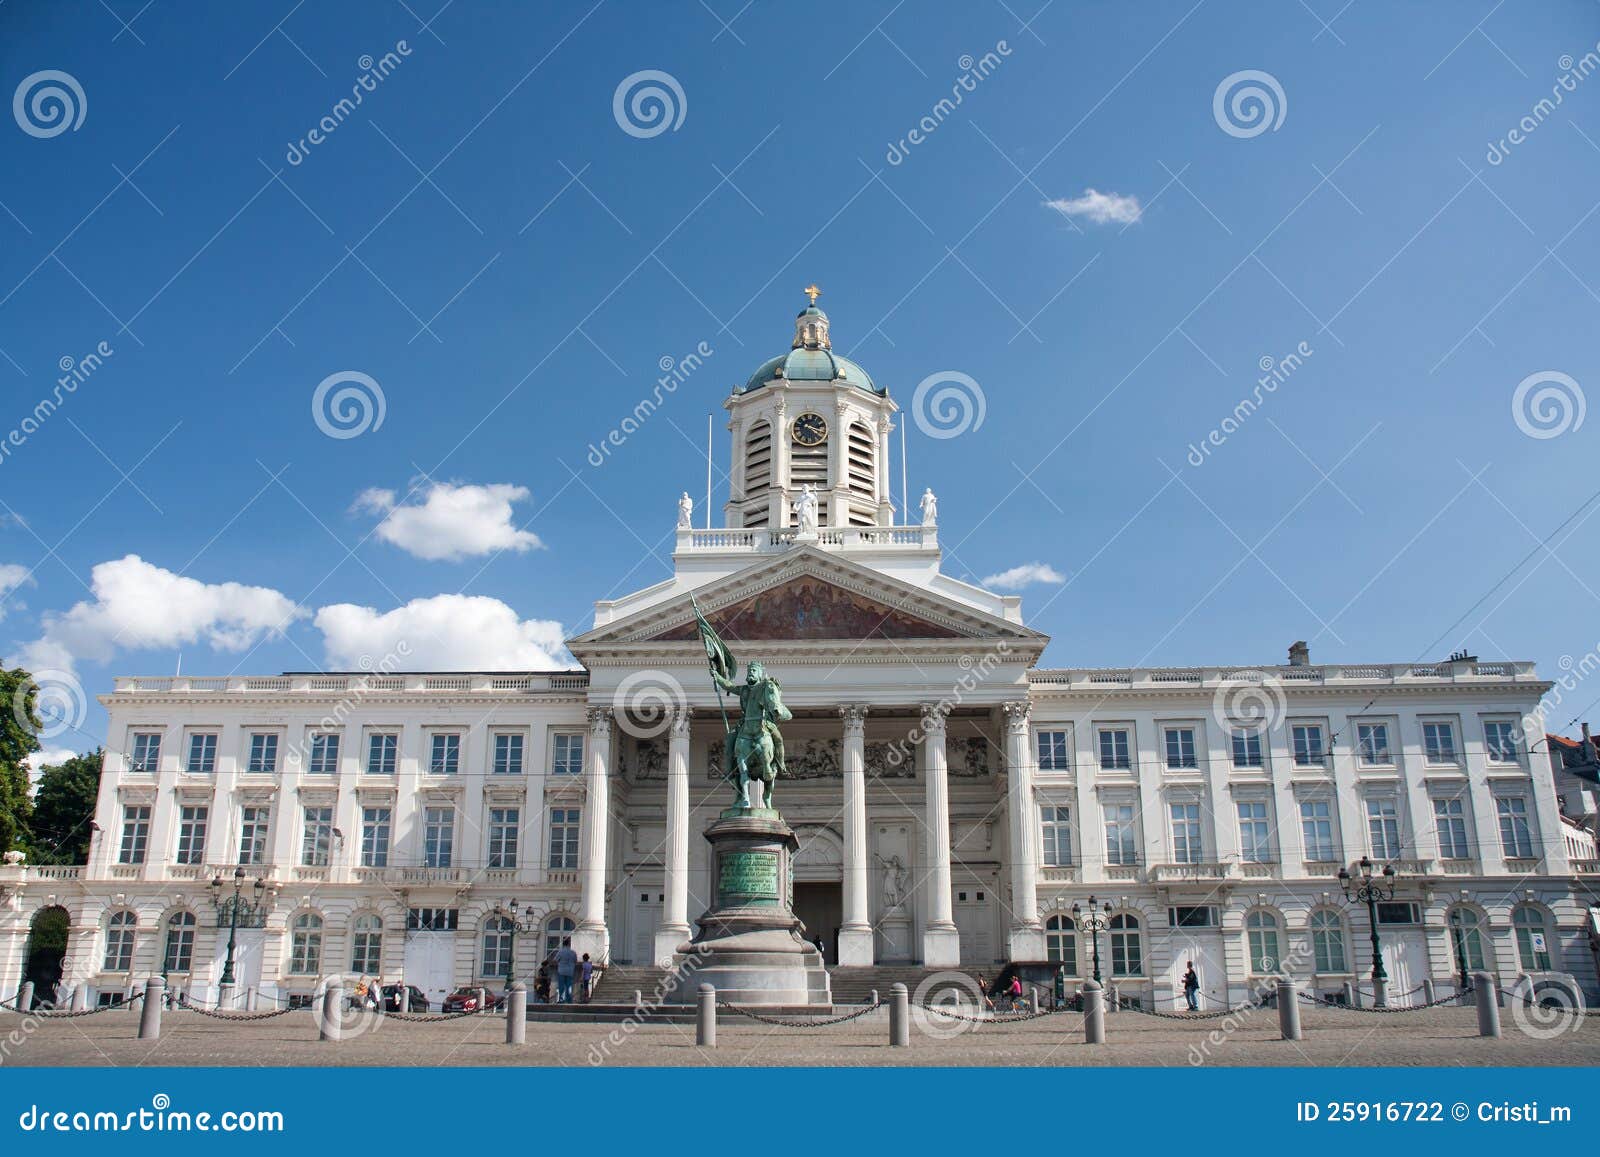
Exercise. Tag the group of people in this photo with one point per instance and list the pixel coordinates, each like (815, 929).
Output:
(367, 995)
(567, 971)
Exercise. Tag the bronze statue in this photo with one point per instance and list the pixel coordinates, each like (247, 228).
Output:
(755, 746)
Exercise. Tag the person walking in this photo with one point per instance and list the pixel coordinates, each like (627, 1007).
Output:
(541, 983)
(586, 976)
(566, 968)
(1015, 991)
(1191, 988)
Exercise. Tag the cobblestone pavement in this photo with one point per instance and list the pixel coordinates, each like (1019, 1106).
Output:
(1434, 1037)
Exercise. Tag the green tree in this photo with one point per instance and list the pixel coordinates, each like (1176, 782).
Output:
(19, 738)
(63, 808)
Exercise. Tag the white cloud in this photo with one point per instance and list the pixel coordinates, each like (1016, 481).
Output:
(451, 522)
(39, 760)
(442, 633)
(12, 576)
(138, 605)
(1025, 575)
(1100, 208)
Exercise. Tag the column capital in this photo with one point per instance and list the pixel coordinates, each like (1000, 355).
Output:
(681, 718)
(1017, 713)
(600, 720)
(855, 717)
(932, 718)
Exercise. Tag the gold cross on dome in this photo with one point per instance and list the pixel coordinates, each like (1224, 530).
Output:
(812, 292)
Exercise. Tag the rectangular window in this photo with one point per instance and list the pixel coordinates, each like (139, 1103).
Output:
(1515, 835)
(316, 843)
(1316, 830)
(444, 755)
(1255, 835)
(324, 755)
(566, 754)
(202, 753)
(564, 837)
(1121, 844)
(375, 837)
(135, 834)
(1057, 836)
(263, 758)
(508, 754)
(383, 753)
(1383, 829)
(1399, 912)
(192, 834)
(1114, 749)
(1500, 741)
(1449, 816)
(146, 755)
(1246, 748)
(1193, 916)
(253, 824)
(432, 919)
(1372, 741)
(439, 836)
(1307, 739)
(1186, 845)
(504, 823)
(1180, 747)
(1439, 742)
(1053, 753)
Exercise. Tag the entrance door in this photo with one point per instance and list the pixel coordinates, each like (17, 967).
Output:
(1205, 949)
(975, 923)
(430, 964)
(645, 920)
(820, 907)
(1405, 959)
(249, 946)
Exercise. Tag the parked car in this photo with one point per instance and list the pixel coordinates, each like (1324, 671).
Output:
(410, 994)
(466, 1000)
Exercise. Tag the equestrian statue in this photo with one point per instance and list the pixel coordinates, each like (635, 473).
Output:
(755, 747)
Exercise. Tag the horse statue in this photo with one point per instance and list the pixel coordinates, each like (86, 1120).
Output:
(755, 747)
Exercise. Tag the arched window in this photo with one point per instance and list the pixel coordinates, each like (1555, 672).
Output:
(366, 944)
(1466, 936)
(1127, 947)
(119, 941)
(305, 945)
(1533, 938)
(556, 929)
(1261, 930)
(497, 944)
(1327, 941)
(179, 953)
(1061, 943)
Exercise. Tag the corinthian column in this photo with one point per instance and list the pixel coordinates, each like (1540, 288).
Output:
(855, 936)
(1027, 934)
(941, 943)
(592, 936)
(674, 929)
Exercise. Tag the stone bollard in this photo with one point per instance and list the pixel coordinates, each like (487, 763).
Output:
(1115, 1002)
(227, 994)
(25, 996)
(873, 999)
(1352, 995)
(1428, 994)
(1033, 1000)
(1289, 1009)
(328, 1014)
(638, 998)
(517, 1014)
(80, 998)
(483, 1000)
(705, 1025)
(1488, 1007)
(252, 999)
(1094, 1014)
(155, 991)
(899, 1017)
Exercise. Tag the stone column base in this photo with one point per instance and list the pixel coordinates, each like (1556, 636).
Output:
(855, 947)
(595, 941)
(941, 947)
(669, 939)
(1026, 944)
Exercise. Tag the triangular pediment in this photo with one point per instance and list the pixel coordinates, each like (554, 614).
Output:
(809, 607)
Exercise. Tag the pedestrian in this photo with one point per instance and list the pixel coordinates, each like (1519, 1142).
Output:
(360, 999)
(541, 983)
(984, 994)
(1016, 991)
(566, 968)
(1191, 988)
(586, 976)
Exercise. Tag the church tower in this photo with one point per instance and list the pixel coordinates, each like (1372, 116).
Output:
(810, 417)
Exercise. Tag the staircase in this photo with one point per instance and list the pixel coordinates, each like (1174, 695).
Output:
(855, 985)
(618, 982)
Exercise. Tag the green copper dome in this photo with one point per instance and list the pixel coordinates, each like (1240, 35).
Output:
(811, 359)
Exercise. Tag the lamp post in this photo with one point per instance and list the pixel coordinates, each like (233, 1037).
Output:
(1368, 890)
(1096, 920)
(526, 921)
(234, 904)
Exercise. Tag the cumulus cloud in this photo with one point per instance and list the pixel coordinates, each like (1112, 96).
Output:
(445, 632)
(1100, 208)
(12, 576)
(449, 521)
(1025, 575)
(48, 757)
(138, 605)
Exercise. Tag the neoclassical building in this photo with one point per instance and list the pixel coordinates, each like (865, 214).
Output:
(953, 799)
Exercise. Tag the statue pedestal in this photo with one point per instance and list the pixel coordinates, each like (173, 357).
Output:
(750, 945)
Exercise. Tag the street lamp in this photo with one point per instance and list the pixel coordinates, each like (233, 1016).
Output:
(1367, 890)
(1458, 936)
(235, 905)
(1096, 921)
(526, 921)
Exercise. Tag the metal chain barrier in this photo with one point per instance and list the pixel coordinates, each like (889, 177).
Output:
(70, 1014)
(1527, 1001)
(782, 1022)
(222, 1014)
(427, 1017)
(1322, 1002)
(1247, 1006)
(993, 1018)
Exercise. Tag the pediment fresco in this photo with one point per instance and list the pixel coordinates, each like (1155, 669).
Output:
(812, 608)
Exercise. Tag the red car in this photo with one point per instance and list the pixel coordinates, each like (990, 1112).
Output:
(466, 1000)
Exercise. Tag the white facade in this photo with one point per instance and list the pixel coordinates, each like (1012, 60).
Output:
(952, 800)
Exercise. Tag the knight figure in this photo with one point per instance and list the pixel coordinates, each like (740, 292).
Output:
(754, 747)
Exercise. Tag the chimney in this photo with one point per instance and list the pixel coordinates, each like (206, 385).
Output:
(1299, 654)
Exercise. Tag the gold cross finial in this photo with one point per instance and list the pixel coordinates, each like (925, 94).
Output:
(812, 292)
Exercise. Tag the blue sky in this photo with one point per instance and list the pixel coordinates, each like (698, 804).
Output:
(483, 239)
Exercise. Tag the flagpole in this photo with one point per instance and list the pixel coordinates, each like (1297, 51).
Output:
(721, 704)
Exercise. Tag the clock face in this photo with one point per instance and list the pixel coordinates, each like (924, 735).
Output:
(810, 430)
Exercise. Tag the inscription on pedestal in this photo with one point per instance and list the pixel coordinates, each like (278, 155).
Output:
(745, 878)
